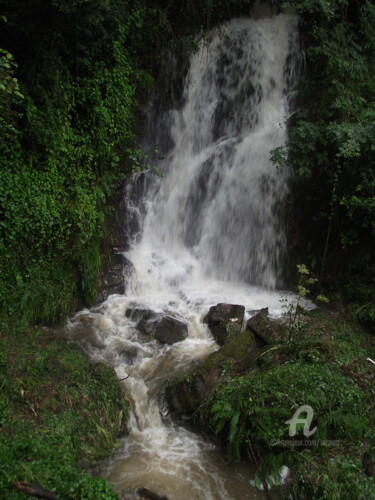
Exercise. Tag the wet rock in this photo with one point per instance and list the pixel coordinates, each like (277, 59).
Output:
(148, 327)
(129, 271)
(264, 329)
(163, 405)
(156, 325)
(114, 278)
(83, 331)
(253, 312)
(137, 314)
(170, 330)
(225, 322)
(185, 394)
(146, 320)
(129, 355)
(133, 206)
(146, 494)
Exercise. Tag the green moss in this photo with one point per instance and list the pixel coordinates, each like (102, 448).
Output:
(325, 368)
(56, 410)
(237, 349)
(196, 385)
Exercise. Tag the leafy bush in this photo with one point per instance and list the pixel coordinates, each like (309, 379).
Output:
(331, 146)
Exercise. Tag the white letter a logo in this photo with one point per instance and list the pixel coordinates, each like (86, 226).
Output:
(306, 421)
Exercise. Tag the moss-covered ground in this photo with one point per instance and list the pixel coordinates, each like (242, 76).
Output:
(58, 414)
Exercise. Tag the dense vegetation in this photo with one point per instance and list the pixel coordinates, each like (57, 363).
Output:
(320, 363)
(55, 409)
(71, 79)
(74, 77)
(332, 150)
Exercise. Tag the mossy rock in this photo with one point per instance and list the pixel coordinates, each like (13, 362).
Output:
(265, 330)
(225, 322)
(187, 392)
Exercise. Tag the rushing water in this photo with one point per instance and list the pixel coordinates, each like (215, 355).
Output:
(210, 231)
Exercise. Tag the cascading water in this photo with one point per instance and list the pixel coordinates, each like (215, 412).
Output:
(210, 231)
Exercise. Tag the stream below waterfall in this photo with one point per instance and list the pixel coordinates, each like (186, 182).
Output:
(210, 230)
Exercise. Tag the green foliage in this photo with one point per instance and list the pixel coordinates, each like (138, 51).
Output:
(55, 408)
(326, 9)
(361, 293)
(250, 412)
(258, 405)
(64, 145)
(341, 477)
(331, 144)
(295, 326)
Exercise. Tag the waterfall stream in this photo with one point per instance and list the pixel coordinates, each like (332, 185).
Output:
(210, 230)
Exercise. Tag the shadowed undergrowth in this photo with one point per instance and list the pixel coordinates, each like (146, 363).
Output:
(58, 412)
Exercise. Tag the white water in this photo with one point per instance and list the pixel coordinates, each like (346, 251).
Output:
(213, 232)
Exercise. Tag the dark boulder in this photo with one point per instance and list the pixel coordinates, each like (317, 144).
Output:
(265, 330)
(152, 324)
(148, 327)
(137, 314)
(170, 330)
(145, 319)
(225, 322)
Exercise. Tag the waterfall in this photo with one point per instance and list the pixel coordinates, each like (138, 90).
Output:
(210, 229)
(219, 211)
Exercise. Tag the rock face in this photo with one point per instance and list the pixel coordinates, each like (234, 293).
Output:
(225, 322)
(113, 279)
(185, 394)
(163, 328)
(264, 329)
(138, 314)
